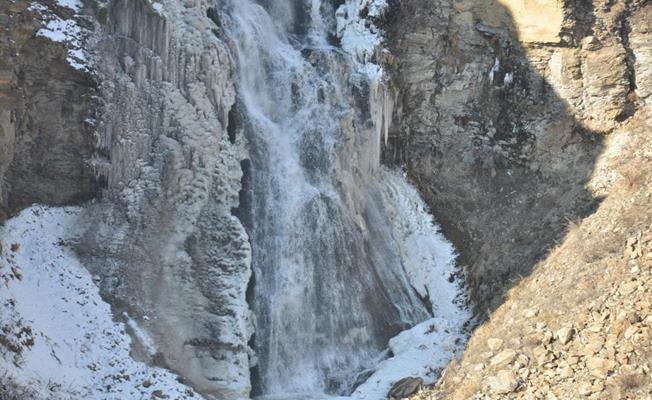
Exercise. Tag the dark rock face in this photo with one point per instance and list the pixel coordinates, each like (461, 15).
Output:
(405, 388)
(502, 121)
(45, 109)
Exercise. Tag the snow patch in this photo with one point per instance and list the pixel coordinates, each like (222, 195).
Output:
(158, 7)
(65, 31)
(358, 35)
(69, 346)
(74, 5)
(425, 349)
(495, 68)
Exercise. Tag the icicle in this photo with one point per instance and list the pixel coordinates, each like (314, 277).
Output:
(382, 102)
(388, 113)
(509, 78)
(493, 71)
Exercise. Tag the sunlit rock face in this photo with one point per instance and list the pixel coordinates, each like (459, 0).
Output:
(503, 117)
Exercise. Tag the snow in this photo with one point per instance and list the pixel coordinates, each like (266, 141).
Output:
(358, 36)
(158, 7)
(422, 351)
(65, 31)
(74, 5)
(143, 337)
(78, 350)
(425, 349)
(58, 30)
(493, 70)
(508, 80)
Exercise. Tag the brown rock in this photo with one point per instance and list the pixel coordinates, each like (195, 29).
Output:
(585, 389)
(504, 382)
(628, 288)
(503, 358)
(564, 335)
(543, 355)
(494, 344)
(599, 367)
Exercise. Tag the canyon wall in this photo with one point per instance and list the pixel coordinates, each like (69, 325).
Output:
(505, 106)
(526, 127)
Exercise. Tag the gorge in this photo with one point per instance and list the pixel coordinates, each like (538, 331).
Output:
(233, 199)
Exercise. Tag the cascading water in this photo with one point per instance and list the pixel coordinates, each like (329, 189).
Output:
(344, 253)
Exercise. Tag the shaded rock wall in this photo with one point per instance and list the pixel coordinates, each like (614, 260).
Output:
(45, 139)
(503, 116)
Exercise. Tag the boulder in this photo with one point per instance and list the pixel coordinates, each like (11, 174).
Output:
(405, 387)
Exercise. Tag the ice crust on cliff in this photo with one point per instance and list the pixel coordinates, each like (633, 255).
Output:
(361, 39)
(426, 348)
(78, 350)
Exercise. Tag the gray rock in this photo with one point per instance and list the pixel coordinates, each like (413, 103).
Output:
(405, 388)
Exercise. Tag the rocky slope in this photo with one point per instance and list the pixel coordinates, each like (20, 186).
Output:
(528, 137)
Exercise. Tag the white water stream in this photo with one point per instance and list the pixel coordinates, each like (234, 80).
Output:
(345, 254)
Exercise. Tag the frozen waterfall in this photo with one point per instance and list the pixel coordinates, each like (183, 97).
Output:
(345, 254)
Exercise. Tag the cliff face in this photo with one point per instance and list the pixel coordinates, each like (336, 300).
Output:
(45, 106)
(131, 103)
(525, 127)
(505, 108)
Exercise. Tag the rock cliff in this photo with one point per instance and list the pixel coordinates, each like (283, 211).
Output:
(504, 116)
(45, 110)
(523, 124)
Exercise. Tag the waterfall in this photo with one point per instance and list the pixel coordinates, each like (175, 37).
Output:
(345, 255)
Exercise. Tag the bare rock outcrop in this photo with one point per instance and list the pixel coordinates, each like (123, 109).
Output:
(45, 109)
(503, 110)
(530, 139)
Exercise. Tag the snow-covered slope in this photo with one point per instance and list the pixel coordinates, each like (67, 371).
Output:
(57, 336)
